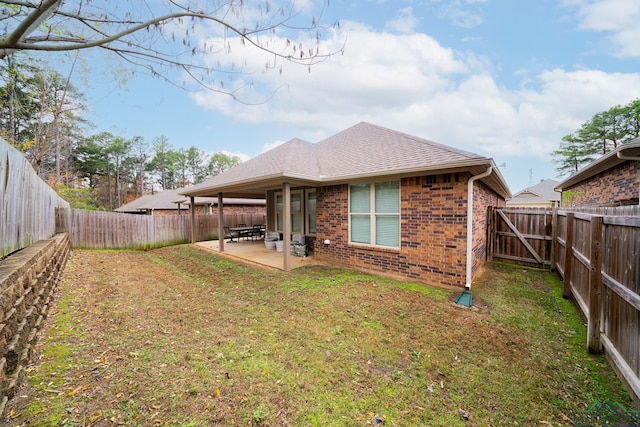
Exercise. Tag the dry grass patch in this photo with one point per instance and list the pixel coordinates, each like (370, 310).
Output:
(182, 337)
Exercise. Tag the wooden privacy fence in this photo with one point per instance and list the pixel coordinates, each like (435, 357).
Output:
(597, 253)
(521, 234)
(27, 203)
(110, 230)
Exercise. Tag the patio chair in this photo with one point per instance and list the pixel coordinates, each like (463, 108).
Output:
(258, 232)
(244, 233)
(228, 234)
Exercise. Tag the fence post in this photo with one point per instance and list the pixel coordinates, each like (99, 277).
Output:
(554, 238)
(568, 257)
(595, 287)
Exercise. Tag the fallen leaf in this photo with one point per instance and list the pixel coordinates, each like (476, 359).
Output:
(74, 392)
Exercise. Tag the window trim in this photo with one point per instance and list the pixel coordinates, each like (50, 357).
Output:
(308, 191)
(304, 213)
(373, 216)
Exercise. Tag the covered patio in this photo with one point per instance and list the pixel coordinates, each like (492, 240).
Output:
(255, 252)
(287, 180)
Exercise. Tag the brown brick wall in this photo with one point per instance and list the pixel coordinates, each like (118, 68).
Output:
(433, 227)
(619, 185)
(228, 210)
(163, 212)
(242, 210)
(483, 198)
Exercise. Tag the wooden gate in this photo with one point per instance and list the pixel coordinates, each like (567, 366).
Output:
(522, 235)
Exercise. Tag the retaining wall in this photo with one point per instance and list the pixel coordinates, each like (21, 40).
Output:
(27, 280)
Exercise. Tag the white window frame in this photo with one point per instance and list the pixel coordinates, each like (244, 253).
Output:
(373, 215)
(308, 213)
(301, 212)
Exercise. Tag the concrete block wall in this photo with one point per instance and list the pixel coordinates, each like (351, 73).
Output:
(27, 280)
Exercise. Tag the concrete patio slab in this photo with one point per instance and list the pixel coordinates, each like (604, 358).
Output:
(255, 252)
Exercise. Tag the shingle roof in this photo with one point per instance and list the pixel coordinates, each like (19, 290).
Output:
(609, 160)
(370, 149)
(361, 151)
(168, 200)
(165, 200)
(542, 192)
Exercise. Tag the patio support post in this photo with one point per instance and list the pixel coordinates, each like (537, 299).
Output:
(193, 219)
(220, 224)
(286, 191)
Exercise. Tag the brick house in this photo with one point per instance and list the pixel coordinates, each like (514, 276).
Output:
(612, 180)
(540, 195)
(170, 202)
(375, 200)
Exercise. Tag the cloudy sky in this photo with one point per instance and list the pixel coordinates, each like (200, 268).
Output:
(502, 78)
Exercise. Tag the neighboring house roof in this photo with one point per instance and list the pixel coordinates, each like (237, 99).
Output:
(628, 151)
(164, 200)
(542, 193)
(361, 152)
(170, 199)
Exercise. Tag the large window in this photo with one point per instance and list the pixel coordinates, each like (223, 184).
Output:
(296, 212)
(303, 211)
(311, 211)
(374, 213)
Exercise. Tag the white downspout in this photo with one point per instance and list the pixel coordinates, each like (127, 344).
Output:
(470, 222)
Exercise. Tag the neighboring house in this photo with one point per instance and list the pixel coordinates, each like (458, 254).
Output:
(612, 180)
(170, 202)
(375, 200)
(541, 195)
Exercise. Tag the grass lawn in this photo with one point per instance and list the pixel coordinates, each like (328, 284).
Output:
(182, 337)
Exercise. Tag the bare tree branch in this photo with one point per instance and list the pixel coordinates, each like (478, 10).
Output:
(148, 41)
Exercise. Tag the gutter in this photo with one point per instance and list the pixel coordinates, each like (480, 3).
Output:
(623, 157)
(470, 222)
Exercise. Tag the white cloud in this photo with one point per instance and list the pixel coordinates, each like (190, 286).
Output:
(412, 83)
(619, 18)
(404, 23)
(271, 145)
(463, 13)
(377, 71)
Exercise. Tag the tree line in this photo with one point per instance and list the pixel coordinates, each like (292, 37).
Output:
(41, 115)
(605, 131)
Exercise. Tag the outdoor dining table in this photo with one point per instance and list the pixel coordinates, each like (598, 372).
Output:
(246, 231)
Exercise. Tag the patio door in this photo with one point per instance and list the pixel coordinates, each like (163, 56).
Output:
(302, 211)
